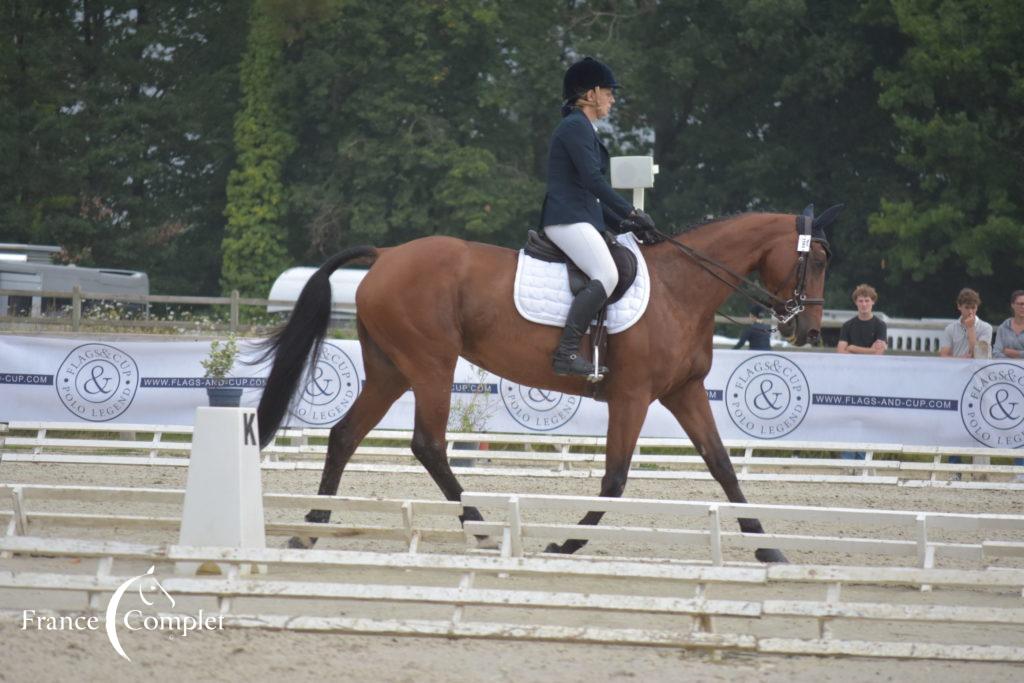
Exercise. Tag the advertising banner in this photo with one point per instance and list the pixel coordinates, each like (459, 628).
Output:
(760, 395)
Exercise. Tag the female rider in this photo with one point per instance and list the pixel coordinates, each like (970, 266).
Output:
(580, 203)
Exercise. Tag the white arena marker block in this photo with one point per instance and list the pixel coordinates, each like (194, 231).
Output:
(224, 494)
(635, 173)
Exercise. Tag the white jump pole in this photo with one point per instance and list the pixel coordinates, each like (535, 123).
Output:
(634, 173)
(224, 494)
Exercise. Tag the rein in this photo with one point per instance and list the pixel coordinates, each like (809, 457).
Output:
(783, 310)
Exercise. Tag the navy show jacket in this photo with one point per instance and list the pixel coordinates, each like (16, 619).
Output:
(577, 178)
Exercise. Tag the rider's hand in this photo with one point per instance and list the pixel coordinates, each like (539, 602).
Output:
(641, 220)
(642, 226)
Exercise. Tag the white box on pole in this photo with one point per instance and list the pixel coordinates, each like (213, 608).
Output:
(633, 173)
(224, 494)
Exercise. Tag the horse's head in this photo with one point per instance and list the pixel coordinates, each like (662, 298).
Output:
(794, 269)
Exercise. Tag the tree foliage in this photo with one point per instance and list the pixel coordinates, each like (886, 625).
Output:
(956, 96)
(420, 118)
(254, 251)
(380, 121)
(116, 116)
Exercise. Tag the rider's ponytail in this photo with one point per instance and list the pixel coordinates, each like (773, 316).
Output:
(568, 107)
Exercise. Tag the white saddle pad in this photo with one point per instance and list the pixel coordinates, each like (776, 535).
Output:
(542, 291)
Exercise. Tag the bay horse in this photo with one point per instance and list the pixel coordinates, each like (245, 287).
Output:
(424, 303)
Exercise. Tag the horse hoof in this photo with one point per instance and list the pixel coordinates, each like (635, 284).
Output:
(301, 542)
(770, 556)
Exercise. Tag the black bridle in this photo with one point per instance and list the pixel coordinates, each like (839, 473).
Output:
(783, 310)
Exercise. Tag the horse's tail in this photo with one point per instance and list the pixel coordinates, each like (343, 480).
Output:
(290, 345)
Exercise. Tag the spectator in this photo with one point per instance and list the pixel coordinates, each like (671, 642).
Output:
(759, 333)
(968, 337)
(1010, 335)
(865, 334)
(1010, 342)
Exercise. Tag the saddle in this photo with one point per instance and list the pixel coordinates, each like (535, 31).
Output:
(540, 247)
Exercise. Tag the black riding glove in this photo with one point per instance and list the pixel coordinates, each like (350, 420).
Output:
(642, 220)
(642, 226)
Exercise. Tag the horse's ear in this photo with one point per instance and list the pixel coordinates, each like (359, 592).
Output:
(827, 216)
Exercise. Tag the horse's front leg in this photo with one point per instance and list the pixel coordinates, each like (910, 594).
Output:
(625, 418)
(690, 406)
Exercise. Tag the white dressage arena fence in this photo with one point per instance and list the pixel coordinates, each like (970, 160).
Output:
(636, 603)
(21, 511)
(506, 455)
(909, 537)
(437, 583)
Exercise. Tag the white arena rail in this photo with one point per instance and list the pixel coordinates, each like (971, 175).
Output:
(402, 520)
(467, 596)
(911, 538)
(514, 529)
(531, 455)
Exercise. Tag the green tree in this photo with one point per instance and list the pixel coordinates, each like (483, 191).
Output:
(956, 97)
(388, 120)
(755, 105)
(39, 195)
(254, 243)
(119, 150)
(421, 118)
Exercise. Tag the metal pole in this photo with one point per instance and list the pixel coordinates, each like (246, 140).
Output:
(234, 310)
(76, 308)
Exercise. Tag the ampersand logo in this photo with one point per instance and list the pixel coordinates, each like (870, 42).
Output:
(330, 389)
(97, 382)
(767, 396)
(992, 406)
(538, 409)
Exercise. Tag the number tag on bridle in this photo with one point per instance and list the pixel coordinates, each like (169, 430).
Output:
(803, 243)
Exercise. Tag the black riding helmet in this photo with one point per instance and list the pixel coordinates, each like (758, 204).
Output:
(586, 74)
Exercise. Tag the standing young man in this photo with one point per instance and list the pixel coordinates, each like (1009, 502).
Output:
(970, 336)
(866, 333)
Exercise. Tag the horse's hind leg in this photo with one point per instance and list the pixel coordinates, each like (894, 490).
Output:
(384, 385)
(690, 406)
(433, 402)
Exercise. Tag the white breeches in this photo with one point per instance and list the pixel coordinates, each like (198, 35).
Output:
(586, 247)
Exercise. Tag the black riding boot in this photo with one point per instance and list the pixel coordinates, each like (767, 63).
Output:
(585, 306)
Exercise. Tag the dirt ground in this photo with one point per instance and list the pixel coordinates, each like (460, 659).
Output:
(245, 654)
(248, 655)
